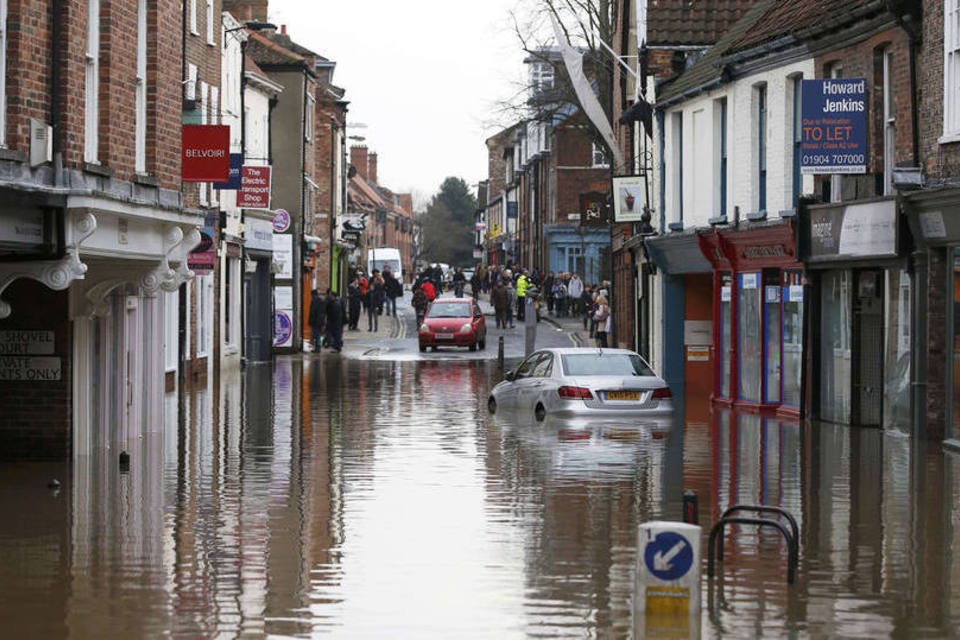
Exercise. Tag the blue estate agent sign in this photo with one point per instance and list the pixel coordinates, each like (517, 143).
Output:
(668, 556)
(834, 127)
(236, 162)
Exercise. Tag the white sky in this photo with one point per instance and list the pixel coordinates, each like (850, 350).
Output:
(423, 75)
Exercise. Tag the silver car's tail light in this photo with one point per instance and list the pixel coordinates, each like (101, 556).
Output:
(662, 393)
(575, 393)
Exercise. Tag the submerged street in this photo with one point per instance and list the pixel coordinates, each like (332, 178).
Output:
(349, 496)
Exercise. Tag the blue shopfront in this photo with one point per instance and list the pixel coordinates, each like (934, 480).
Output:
(576, 249)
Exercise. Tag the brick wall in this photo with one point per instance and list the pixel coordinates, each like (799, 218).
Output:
(572, 158)
(864, 60)
(36, 416)
(29, 24)
(164, 95)
(941, 162)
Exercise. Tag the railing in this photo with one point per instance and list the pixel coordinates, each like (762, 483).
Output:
(792, 536)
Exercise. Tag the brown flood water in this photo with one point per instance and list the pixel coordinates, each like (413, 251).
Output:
(354, 499)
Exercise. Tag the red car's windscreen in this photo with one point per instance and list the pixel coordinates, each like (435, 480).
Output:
(449, 310)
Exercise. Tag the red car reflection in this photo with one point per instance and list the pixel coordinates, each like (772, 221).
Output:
(453, 322)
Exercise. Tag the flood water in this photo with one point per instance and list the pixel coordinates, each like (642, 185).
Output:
(359, 499)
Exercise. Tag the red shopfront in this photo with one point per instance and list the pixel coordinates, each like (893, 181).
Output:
(757, 317)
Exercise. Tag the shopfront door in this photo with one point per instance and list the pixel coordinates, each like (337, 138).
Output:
(749, 336)
(868, 378)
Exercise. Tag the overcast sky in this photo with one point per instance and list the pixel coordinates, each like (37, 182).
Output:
(423, 75)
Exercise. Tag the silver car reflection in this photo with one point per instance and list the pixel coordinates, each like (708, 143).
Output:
(583, 382)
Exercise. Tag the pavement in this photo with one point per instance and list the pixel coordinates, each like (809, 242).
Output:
(396, 337)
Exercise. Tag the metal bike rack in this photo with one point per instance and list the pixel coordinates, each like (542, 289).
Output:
(792, 536)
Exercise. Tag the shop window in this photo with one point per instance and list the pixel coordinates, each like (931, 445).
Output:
(835, 346)
(749, 337)
(792, 332)
(771, 336)
(726, 306)
(896, 370)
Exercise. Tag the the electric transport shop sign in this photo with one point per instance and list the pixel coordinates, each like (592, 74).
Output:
(834, 126)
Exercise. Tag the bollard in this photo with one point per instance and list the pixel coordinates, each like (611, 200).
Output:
(530, 326)
(666, 599)
(500, 353)
(691, 507)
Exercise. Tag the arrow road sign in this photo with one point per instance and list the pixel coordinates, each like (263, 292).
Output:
(668, 556)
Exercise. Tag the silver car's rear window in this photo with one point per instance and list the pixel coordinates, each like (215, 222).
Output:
(604, 364)
(449, 310)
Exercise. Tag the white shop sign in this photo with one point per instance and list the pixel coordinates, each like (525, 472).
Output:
(23, 343)
(26, 229)
(258, 234)
(283, 255)
(29, 368)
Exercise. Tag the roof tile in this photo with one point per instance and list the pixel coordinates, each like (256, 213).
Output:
(692, 22)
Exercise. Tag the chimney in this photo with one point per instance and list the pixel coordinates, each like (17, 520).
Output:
(283, 29)
(359, 159)
(372, 168)
(244, 10)
(406, 203)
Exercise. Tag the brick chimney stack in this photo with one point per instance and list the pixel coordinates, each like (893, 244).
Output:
(244, 10)
(360, 160)
(406, 203)
(372, 168)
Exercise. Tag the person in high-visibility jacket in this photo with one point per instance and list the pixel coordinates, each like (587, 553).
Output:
(523, 283)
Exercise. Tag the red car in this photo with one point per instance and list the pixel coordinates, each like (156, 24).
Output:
(456, 322)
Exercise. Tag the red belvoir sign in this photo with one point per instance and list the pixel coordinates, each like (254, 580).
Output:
(254, 188)
(205, 153)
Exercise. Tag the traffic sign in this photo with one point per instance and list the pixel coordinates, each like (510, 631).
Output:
(669, 556)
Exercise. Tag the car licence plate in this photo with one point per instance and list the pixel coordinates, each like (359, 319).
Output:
(624, 395)
(444, 336)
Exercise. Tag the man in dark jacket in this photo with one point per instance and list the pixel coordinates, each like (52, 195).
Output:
(500, 300)
(335, 317)
(393, 289)
(318, 318)
(354, 300)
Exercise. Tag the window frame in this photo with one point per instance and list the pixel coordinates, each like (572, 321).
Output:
(761, 120)
(210, 25)
(3, 73)
(192, 16)
(599, 158)
(91, 90)
(889, 122)
(140, 135)
(951, 71)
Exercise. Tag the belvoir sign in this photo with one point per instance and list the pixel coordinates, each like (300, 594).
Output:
(205, 153)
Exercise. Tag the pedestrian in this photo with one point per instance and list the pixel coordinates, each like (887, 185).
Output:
(354, 303)
(501, 304)
(602, 318)
(475, 284)
(482, 274)
(393, 290)
(318, 318)
(511, 296)
(523, 283)
(586, 304)
(560, 297)
(429, 290)
(335, 317)
(574, 291)
(548, 291)
(420, 304)
(364, 288)
(459, 283)
(375, 298)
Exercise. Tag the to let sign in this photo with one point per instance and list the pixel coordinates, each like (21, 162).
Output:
(254, 188)
(834, 126)
(205, 153)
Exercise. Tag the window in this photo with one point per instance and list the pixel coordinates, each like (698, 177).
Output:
(889, 124)
(573, 259)
(91, 92)
(796, 86)
(599, 157)
(761, 147)
(677, 135)
(214, 119)
(210, 22)
(192, 11)
(204, 314)
(171, 304)
(141, 89)
(541, 77)
(204, 102)
(308, 118)
(190, 93)
(951, 70)
(3, 73)
(720, 194)
(836, 180)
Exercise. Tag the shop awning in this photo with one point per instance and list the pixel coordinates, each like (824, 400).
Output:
(678, 253)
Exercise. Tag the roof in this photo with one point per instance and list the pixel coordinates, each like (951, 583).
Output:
(692, 22)
(706, 70)
(791, 18)
(266, 52)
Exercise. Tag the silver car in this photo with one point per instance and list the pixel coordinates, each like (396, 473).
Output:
(583, 382)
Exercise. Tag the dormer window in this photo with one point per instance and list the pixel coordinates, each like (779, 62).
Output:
(541, 77)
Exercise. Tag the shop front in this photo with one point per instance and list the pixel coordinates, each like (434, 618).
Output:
(757, 317)
(681, 275)
(860, 294)
(257, 291)
(934, 221)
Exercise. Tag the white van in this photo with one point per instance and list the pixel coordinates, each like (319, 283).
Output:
(385, 257)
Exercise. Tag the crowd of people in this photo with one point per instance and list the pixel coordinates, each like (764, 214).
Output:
(564, 294)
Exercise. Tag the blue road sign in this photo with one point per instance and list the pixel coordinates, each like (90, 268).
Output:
(668, 556)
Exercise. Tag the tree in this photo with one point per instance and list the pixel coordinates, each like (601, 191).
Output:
(447, 224)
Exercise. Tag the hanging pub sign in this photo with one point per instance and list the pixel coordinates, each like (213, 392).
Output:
(593, 209)
(834, 126)
(203, 258)
(233, 184)
(205, 153)
(855, 231)
(254, 188)
(629, 198)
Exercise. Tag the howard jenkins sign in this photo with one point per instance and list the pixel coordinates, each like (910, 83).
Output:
(834, 126)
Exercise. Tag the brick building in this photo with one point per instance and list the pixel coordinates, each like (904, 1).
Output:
(93, 230)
